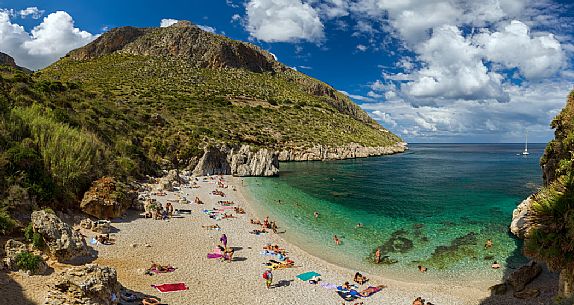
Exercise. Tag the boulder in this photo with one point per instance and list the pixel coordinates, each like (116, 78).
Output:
(169, 181)
(102, 226)
(107, 198)
(524, 275)
(519, 225)
(63, 243)
(498, 289)
(13, 248)
(87, 224)
(88, 285)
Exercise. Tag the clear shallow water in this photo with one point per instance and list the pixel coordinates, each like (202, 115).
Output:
(434, 205)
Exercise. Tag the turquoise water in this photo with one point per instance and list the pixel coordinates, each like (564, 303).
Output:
(434, 205)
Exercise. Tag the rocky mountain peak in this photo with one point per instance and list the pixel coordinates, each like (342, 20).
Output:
(182, 40)
(7, 60)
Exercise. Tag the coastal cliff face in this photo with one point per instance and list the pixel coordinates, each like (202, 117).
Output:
(545, 220)
(351, 151)
(239, 161)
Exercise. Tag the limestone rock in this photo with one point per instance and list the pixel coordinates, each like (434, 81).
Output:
(519, 225)
(107, 198)
(62, 241)
(13, 248)
(527, 294)
(89, 285)
(87, 224)
(213, 162)
(169, 181)
(498, 289)
(245, 162)
(524, 275)
(351, 151)
(237, 161)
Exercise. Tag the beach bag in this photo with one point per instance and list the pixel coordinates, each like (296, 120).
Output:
(266, 275)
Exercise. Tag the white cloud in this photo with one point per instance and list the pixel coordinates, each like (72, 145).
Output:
(362, 48)
(283, 21)
(34, 12)
(357, 97)
(331, 9)
(167, 22)
(206, 28)
(454, 70)
(513, 46)
(235, 18)
(385, 118)
(46, 43)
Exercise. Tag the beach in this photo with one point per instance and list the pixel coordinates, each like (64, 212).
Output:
(183, 243)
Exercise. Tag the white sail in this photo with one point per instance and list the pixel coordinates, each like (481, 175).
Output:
(525, 152)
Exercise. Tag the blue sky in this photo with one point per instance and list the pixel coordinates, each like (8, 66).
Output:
(429, 70)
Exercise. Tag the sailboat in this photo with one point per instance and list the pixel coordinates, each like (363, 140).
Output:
(525, 152)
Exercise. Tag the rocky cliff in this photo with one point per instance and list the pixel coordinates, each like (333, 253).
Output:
(238, 161)
(544, 220)
(350, 151)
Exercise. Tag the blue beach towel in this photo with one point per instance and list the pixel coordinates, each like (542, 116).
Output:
(307, 275)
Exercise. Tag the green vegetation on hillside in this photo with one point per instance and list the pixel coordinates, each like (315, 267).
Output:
(222, 105)
(551, 237)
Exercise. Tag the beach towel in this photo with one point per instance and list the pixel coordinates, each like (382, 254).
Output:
(348, 295)
(328, 285)
(307, 275)
(164, 288)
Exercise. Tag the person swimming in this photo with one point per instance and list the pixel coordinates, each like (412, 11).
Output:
(422, 268)
(488, 244)
(316, 214)
(336, 239)
(496, 265)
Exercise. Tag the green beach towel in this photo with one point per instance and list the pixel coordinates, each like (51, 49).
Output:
(307, 275)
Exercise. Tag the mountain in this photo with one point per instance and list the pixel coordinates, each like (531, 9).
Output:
(548, 215)
(186, 88)
(7, 60)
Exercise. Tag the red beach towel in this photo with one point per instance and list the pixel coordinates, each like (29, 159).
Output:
(170, 287)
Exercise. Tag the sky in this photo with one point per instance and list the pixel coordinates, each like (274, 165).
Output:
(428, 70)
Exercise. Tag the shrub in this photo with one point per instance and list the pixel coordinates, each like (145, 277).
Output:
(34, 237)
(28, 261)
(7, 224)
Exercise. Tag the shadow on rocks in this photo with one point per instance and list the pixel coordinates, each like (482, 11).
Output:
(11, 292)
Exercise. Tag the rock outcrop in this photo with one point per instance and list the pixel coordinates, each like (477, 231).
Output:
(245, 162)
(238, 161)
(62, 241)
(350, 151)
(520, 225)
(12, 248)
(88, 285)
(7, 60)
(107, 199)
(524, 275)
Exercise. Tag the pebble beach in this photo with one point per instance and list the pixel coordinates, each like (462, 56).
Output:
(183, 242)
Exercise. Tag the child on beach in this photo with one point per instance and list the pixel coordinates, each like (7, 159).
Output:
(268, 277)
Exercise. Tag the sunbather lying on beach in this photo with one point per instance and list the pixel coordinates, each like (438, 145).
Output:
(105, 239)
(239, 210)
(369, 291)
(273, 264)
(212, 227)
(257, 232)
(255, 222)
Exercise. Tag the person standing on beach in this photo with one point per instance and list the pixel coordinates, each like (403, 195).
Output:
(268, 277)
(223, 240)
(378, 256)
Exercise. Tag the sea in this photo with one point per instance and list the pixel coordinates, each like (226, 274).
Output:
(434, 205)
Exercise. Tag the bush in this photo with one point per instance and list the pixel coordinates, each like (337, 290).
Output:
(34, 237)
(28, 261)
(7, 224)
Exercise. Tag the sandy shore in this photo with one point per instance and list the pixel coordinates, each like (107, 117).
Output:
(184, 244)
